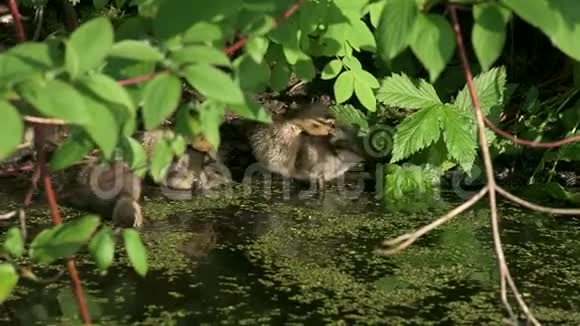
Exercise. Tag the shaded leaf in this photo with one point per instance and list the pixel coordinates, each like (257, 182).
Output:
(74, 148)
(135, 155)
(257, 47)
(458, 137)
(135, 251)
(102, 248)
(213, 83)
(160, 159)
(88, 46)
(489, 87)
(11, 129)
(489, 32)
(201, 54)
(280, 76)
(109, 90)
(395, 27)
(160, 99)
(416, 132)
(102, 126)
(14, 243)
(135, 50)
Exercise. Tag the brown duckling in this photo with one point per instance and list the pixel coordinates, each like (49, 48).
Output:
(306, 145)
(106, 189)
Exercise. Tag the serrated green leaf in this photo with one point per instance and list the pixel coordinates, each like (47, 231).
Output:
(160, 99)
(251, 75)
(11, 129)
(56, 99)
(489, 87)
(136, 50)
(280, 76)
(102, 248)
(201, 54)
(257, 47)
(88, 46)
(365, 94)
(395, 27)
(160, 159)
(458, 137)
(416, 132)
(63, 240)
(365, 76)
(433, 43)
(489, 32)
(331, 69)
(361, 37)
(344, 86)
(75, 147)
(349, 115)
(135, 251)
(558, 19)
(213, 83)
(400, 91)
(14, 243)
(9, 278)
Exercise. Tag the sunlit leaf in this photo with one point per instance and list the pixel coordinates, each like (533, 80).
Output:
(160, 99)
(361, 37)
(365, 94)
(395, 27)
(489, 87)
(74, 148)
(11, 129)
(109, 90)
(344, 86)
(160, 159)
(9, 277)
(135, 155)
(135, 251)
(401, 91)
(213, 83)
(417, 131)
(458, 138)
(88, 45)
(14, 243)
(257, 47)
(135, 50)
(102, 126)
(102, 248)
(331, 69)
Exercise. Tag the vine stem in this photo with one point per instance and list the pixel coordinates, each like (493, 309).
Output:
(502, 264)
(242, 40)
(41, 171)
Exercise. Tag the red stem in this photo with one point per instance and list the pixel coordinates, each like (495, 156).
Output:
(17, 21)
(535, 144)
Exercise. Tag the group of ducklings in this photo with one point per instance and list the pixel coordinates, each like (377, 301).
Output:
(304, 144)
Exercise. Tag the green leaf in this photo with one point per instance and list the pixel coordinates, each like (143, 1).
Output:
(213, 83)
(351, 62)
(331, 69)
(56, 99)
(489, 87)
(257, 47)
(100, 4)
(160, 99)
(211, 115)
(251, 75)
(201, 54)
(375, 11)
(88, 46)
(304, 68)
(75, 147)
(251, 110)
(203, 32)
(458, 137)
(14, 243)
(26, 59)
(102, 126)
(489, 32)
(558, 19)
(136, 50)
(344, 86)
(11, 129)
(63, 240)
(160, 159)
(280, 76)
(9, 278)
(349, 115)
(433, 43)
(401, 91)
(108, 89)
(361, 37)
(395, 27)
(365, 76)
(135, 251)
(135, 155)
(102, 248)
(416, 132)
(365, 94)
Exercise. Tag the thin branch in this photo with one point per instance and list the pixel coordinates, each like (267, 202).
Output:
(532, 206)
(502, 264)
(44, 121)
(17, 21)
(8, 215)
(407, 239)
(139, 79)
(535, 144)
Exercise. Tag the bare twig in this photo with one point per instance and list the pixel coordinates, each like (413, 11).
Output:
(407, 239)
(542, 209)
(502, 264)
(44, 121)
(8, 215)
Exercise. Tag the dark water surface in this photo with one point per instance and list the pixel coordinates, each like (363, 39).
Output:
(247, 260)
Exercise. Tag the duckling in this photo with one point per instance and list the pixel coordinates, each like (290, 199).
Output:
(305, 145)
(106, 189)
(199, 169)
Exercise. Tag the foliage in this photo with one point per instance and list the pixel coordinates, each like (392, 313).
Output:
(411, 187)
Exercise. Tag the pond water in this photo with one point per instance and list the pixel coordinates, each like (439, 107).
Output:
(248, 260)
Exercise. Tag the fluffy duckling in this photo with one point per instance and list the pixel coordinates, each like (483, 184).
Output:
(306, 145)
(106, 189)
